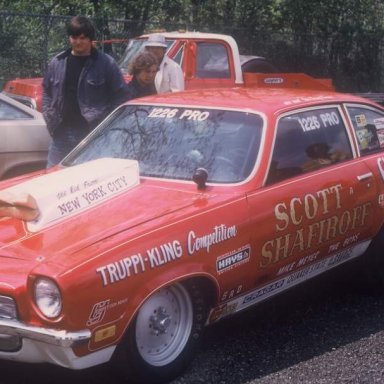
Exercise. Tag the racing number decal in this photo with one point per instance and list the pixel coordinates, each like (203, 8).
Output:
(186, 114)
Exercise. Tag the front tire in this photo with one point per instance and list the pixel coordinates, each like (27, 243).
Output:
(164, 336)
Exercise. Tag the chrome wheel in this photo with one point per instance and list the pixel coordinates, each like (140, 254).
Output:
(164, 325)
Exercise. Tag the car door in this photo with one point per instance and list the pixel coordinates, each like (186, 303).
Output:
(207, 64)
(368, 126)
(24, 138)
(317, 205)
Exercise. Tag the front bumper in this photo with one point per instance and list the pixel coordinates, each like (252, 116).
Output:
(49, 336)
(42, 345)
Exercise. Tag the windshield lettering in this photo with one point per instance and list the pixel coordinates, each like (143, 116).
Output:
(163, 112)
(196, 115)
(188, 114)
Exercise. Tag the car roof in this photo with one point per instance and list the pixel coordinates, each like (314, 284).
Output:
(268, 100)
(32, 112)
(190, 35)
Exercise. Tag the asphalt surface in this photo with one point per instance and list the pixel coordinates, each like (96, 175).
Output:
(328, 331)
(336, 336)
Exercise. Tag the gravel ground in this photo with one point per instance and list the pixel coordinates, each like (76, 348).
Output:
(324, 332)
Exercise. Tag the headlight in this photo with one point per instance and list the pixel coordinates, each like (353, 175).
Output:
(48, 297)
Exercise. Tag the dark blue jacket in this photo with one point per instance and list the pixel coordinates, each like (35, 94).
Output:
(101, 88)
(134, 90)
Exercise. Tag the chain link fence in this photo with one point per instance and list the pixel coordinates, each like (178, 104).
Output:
(354, 59)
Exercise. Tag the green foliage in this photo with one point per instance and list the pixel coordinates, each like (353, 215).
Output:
(343, 39)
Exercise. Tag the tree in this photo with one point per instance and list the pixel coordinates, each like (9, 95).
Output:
(342, 39)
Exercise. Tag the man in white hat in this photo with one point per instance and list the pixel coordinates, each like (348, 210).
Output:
(169, 77)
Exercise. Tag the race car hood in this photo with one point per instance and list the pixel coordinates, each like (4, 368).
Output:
(71, 221)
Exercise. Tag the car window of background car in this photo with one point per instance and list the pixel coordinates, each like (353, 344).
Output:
(212, 61)
(369, 128)
(9, 112)
(179, 56)
(169, 144)
(134, 47)
(308, 140)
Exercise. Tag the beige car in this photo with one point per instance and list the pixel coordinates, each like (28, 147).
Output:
(24, 138)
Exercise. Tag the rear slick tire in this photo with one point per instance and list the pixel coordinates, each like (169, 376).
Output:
(164, 336)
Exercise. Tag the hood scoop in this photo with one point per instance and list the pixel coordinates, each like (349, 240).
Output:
(50, 198)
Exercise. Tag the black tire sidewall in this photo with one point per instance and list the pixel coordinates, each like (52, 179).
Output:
(374, 260)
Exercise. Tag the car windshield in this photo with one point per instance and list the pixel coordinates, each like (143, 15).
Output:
(172, 142)
(134, 47)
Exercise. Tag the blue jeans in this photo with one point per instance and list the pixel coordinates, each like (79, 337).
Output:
(63, 141)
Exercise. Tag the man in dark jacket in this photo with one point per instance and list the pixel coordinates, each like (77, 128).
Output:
(80, 88)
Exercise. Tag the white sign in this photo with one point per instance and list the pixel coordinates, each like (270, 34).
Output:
(69, 191)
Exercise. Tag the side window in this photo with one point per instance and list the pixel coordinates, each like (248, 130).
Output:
(306, 141)
(369, 128)
(212, 61)
(179, 57)
(9, 112)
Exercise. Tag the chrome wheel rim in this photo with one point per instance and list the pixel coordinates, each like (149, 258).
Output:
(163, 325)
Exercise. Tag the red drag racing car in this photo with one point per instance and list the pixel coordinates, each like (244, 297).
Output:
(181, 209)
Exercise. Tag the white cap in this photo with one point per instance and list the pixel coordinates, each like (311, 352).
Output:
(156, 41)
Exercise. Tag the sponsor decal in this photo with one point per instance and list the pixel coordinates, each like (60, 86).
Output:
(380, 164)
(221, 312)
(295, 278)
(334, 247)
(273, 80)
(298, 264)
(264, 292)
(132, 265)
(328, 221)
(361, 120)
(105, 333)
(351, 239)
(121, 269)
(231, 293)
(98, 312)
(364, 137)
(380, 137)
(100, 309)
(135, 264)
(219, 234)
(164, 254)
(379, 123)
(381, 200)
(233, 259)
